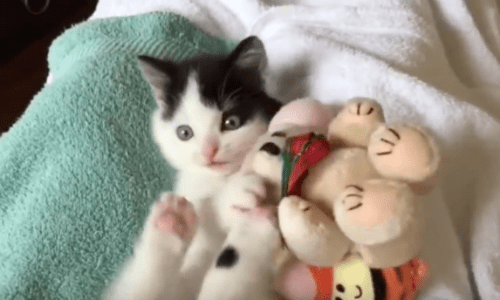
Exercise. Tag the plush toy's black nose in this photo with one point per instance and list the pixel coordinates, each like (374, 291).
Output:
(271, 148)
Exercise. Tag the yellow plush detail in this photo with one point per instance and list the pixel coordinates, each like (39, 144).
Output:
(353, 281)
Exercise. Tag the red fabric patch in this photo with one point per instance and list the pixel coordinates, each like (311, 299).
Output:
(323, 277)
(406, 284)
(314, 153)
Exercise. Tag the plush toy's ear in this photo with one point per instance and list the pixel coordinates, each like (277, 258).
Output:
(306, 113)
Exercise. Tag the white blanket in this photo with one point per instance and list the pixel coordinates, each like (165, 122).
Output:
(432, 63)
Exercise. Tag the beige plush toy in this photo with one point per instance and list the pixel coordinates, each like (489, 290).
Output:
(352, 200)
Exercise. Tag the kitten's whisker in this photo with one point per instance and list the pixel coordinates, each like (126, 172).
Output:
(223, 88)
(234, 92)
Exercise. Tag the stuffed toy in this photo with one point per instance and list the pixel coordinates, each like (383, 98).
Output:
(350, 190)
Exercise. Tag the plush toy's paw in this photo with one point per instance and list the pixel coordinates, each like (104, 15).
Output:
(355, 122)
(375, 212)
(362, 108)
(402, 152)
(310, 234)
(243, 192)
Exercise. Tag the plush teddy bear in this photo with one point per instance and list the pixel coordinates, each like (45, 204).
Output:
(350, 190)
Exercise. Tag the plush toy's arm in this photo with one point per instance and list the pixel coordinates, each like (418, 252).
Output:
(385, 220)
(310, 234)
(395, 252)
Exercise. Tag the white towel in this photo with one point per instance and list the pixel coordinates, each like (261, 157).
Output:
(432, 63)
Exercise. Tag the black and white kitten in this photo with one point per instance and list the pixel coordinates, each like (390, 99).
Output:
(211, 110)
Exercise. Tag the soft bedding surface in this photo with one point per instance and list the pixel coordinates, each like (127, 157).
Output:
(79, 170)
(81, 157)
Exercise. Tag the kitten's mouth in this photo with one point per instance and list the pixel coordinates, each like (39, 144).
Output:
(217, 164)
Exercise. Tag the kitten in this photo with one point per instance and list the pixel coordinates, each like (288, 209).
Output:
(211, 110)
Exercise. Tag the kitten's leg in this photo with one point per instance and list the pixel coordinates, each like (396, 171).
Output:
(204, 247)
(153, 271)
(217, 216)
(245, 268)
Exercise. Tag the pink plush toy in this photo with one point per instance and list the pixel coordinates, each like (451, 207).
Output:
(305, 113)
(350, 202)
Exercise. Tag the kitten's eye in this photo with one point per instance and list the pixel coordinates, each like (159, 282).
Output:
(232, 122)
(184, 132)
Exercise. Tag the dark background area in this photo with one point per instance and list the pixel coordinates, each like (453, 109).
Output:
(24, 42)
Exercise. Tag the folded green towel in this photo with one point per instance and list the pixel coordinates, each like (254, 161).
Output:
(79, 170)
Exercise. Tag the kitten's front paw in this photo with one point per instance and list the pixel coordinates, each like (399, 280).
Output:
(172, 221)
(173, 214)
(242, 194)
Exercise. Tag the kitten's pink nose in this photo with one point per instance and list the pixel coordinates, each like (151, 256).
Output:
(210, 150)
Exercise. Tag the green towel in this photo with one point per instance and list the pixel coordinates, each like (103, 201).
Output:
(79, 170)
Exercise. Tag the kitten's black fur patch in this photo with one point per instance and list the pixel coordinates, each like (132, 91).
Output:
(227, 258)
(232, 83)
(271, 148)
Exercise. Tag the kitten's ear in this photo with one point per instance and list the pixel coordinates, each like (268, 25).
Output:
(160, 75)
(250, 55)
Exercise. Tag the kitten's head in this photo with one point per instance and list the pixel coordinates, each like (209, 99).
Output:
(212, 108)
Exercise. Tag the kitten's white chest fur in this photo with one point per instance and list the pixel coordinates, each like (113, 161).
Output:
(198, 186)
